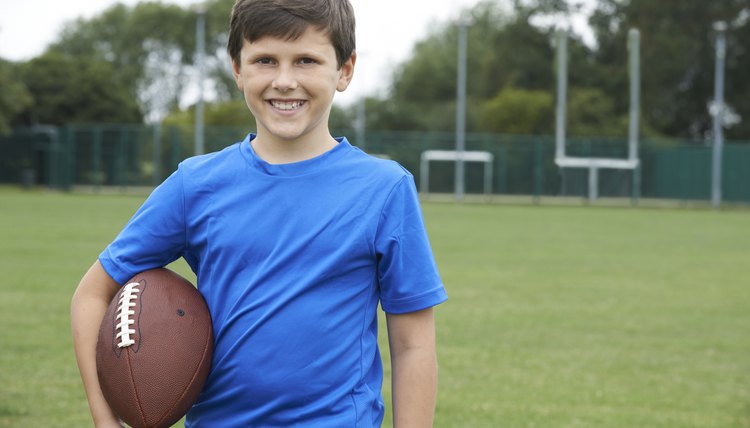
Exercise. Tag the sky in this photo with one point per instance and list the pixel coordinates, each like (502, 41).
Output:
(386, 31)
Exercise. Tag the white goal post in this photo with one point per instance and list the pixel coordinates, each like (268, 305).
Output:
(595, 164)
(427, 156)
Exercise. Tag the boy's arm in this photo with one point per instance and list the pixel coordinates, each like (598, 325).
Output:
(87, 309)
(411, 337)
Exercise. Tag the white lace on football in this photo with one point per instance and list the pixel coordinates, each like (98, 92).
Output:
(125, 314)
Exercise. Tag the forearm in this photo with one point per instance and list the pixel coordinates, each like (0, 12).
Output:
(414, 368)
(414, 387)
(87, 310)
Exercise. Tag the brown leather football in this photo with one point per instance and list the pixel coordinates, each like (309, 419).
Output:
(154, 350)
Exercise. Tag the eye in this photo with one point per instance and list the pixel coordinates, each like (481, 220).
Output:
(307, 61)
(264, 61)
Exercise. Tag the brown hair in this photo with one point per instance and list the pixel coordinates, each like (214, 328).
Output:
(252, 20)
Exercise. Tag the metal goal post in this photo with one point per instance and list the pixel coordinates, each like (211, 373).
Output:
(595, 164)
(428, 156)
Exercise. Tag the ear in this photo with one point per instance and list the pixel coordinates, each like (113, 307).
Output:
(346, 73)
(236, 73)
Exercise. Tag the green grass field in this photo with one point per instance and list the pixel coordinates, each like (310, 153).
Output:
(558, 316)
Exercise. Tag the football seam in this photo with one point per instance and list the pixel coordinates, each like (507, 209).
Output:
(195, 374)
(125, 316)
(135, 390)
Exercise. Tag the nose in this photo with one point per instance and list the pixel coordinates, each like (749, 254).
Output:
(285, 79)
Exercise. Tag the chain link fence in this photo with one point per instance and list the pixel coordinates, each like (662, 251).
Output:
(101, 156)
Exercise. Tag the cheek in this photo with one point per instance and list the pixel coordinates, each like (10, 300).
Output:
(251, 106)
(245, 84)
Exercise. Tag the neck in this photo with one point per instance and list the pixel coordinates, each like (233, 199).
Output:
(279, 151)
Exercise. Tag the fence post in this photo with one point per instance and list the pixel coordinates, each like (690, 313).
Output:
(68, 169)
(538, 172)
(98, 175)
(636, 192)
(121, 163)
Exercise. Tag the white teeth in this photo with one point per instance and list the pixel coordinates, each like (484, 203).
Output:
(287, 105)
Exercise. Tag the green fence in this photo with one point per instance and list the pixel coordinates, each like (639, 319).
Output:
(135, 155)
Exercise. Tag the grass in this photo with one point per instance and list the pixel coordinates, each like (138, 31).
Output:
(558, 316)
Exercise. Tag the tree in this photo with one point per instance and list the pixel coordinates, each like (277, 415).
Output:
(218, 62)
(591, 113)
(738, 62)
(518, 111)
(677, 57)
(14, 97)
(423, 93)
(232, 113)
(513, 51)
(152, 47)
(508, 57)
(69, 89)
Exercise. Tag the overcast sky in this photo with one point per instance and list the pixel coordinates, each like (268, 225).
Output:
(386, 30)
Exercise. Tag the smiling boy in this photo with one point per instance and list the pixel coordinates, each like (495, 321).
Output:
(289, 88)
(295, 238)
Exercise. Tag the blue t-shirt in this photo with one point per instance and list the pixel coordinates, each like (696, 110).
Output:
(292, 260)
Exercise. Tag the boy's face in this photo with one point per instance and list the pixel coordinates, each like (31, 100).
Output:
(289, 85)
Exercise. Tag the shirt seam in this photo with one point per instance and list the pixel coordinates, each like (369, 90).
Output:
(434, 291)
(382, 212)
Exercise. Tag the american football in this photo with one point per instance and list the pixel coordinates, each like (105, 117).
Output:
(154, 349)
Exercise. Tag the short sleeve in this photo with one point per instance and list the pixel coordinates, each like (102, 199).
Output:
(407, 273)
(154, 236)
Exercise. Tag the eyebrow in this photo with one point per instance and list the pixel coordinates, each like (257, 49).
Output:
(303, 54)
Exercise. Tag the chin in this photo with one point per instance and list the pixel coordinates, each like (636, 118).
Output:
(287, 135)
(291, 132)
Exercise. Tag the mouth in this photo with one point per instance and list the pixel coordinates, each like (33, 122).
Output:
(287, 105)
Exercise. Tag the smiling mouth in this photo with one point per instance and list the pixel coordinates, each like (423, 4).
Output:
(287, 105)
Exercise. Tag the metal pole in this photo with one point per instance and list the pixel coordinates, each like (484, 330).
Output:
(200, 36)
(718, 113)
(634, 41)
(562, 92)
(634, 45)
(593, 183)
(463, 25)
(488, 179)
(424, 175)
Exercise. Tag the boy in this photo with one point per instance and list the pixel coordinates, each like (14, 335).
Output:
(294, 237)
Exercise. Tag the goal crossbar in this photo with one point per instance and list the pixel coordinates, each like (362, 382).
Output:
(427, 156)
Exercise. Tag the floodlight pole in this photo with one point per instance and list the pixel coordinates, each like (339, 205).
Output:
(634, 37)
(463, 26)
(634, 46)
(718, 114)
(562, 92)
(200, 37)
